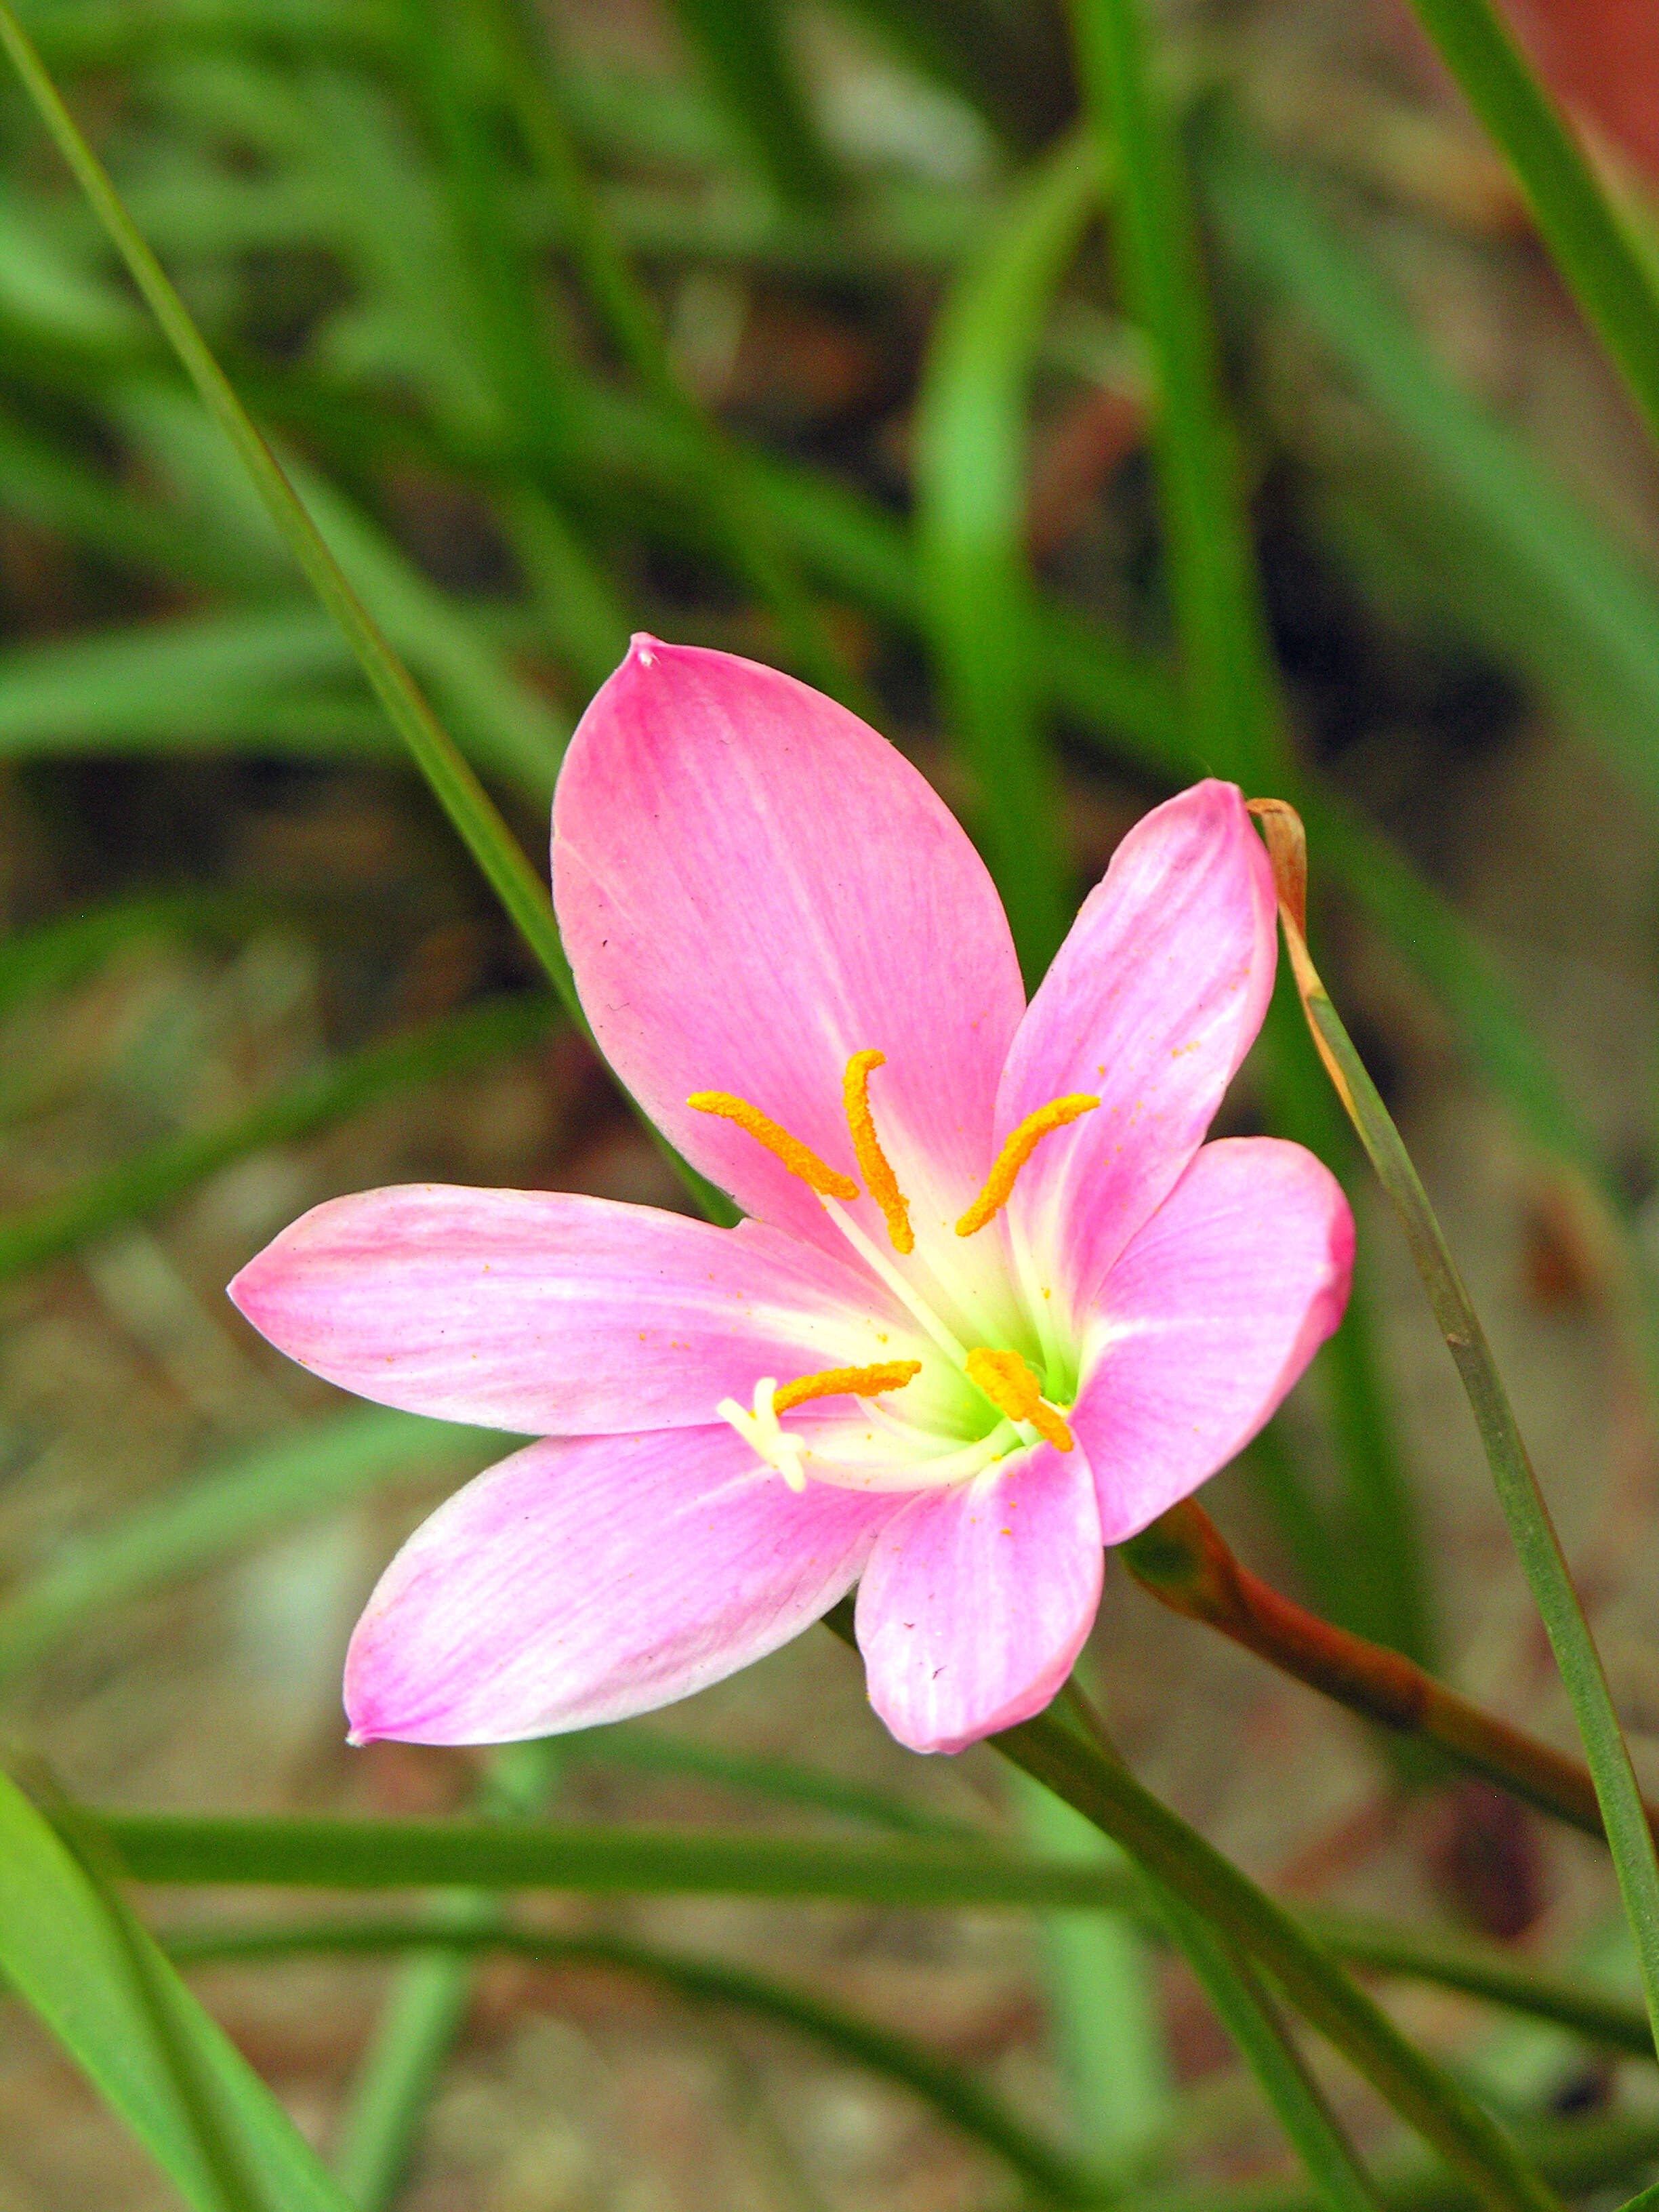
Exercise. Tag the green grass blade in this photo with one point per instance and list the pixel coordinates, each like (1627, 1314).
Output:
(61, 1951)
(723, 479)
(392, 2093)
(213, 1514)
(1247, 2010)
(56, 954)
(315, 1852)
(950, 2090)
(744, 45)
(1604, 267)
(1103, 2002)
(153, 1178)
(970, 495)
(1220, 626)
(1177, 1856)
(1531, 1528)
(1544, 579)
(452, 781)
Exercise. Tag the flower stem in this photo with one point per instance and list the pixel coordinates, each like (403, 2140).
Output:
(1184, 1562)
(1629, 1838)
(1229, 1902)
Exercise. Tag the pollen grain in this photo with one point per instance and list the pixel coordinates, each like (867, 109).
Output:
(798, 1158)
(1012, 1387)
(878, 1176)
(1021, 1144)
(846, 1382)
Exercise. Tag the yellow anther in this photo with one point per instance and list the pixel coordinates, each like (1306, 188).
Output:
(879, 1179)
(846, 1382)
(1019, 1147)
(795, 1156)
(1012, 1387)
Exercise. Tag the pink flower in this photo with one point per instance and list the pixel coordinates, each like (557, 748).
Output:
(997, 1302)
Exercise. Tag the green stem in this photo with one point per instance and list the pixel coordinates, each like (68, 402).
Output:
(952, 2091)
(1590, 243)
(1226, 665)
(1624, 1816)
(1177, 1856)
(457, 788)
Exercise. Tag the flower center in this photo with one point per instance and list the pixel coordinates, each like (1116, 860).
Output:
(1002, 1381)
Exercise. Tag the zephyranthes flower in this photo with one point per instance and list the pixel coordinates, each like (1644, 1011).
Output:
(997, 1302)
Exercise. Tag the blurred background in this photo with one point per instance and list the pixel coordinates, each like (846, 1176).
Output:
(801, 331)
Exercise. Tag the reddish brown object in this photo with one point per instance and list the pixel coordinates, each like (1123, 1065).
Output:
(1601, 57)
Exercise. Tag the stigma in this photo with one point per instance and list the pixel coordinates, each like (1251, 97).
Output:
(779, 1448)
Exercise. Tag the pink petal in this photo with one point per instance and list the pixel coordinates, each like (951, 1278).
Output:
(977, 1599)
(583, 1580)
(1207, 1319)
(549, 1313)
(1152, 1003)
(753, 886)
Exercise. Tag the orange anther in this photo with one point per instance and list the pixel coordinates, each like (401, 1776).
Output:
(846, 1382)
(1012, 1387)
(881, 1182)
(1019, 1147)
(815, 1173)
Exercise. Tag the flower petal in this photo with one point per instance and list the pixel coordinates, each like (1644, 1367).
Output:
(1206, 1321)
(977, 1599)
(753, 886)
(550, 1314)
(586, 1579)
(1152, 1003)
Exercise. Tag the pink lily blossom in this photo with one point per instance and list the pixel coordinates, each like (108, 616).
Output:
(997, 1303)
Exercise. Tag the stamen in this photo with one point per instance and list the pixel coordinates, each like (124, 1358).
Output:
(1019, 1147)
(1012, 1387)
(795, 1156)
(847, 1382)
(879, 1179)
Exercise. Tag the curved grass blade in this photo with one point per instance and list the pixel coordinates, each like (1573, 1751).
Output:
(1229, 1903)
(969, 476)
(392, 2091)
(153, 1178)
(452, 781)
(1630, 1839)
(1226, 668)
(1104, 2004)
(1591, 244)
(744, 47)
(952, 2092)
(61, 1951)
(925, 1873)
(315, 1470)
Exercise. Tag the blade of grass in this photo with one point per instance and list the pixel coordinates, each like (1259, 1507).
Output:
(1104, 2004)
(392, 2093)
(950, 2090)
(1226, 671)
(450, 776)
(1233, 717)
(152, 1179)
(1546, 568)
(744, 45)
(56, 954)
(452, 781)
(723, 474)
(925, 1873)
(1233, 1908)
(969, 469)
(231, 1505)
(61, 1951)
(1592, 246)
(1629, 1837)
